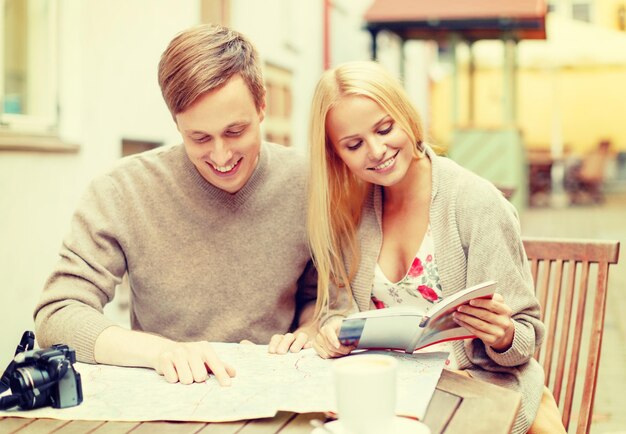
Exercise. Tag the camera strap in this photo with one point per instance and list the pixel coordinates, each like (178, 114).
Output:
(10, 401)
(26, 343)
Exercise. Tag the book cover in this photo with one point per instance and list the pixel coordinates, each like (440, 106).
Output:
(409, 328)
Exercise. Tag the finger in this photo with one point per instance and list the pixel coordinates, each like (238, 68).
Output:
(325, 351)
(320, 346)
(308, 345)
(487, 338)
(273, 345)
(330, 335)
(474, 321)
(182, 367)
(166, 368)
(482, 314)
(230, 370)
(488, 333)
(246, 342)
(218, 368)
(300, 341)
(285, 343)
(198, 369)
(321, 350)
(496, 304)
(342, 351)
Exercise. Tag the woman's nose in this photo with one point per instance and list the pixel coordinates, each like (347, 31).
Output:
(376, 149)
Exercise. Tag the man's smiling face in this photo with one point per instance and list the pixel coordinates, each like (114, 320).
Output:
(222, 135)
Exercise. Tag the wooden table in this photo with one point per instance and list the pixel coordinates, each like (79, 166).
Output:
(459, 405)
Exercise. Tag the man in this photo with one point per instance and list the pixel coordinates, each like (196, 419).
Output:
(211, 232)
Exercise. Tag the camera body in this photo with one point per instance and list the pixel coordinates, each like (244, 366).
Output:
(39, 378)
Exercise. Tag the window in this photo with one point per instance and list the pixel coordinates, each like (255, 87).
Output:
(581, 11)
(28, 66)
(278, 110)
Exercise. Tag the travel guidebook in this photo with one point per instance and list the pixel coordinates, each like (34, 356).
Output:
(410, 328)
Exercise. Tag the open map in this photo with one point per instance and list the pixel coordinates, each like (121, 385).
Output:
(265, 383)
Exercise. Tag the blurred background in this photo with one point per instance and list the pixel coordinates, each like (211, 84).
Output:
(527, 93)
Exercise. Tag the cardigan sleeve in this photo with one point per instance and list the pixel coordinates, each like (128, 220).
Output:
(491, 237)
(84, 279)
(341, 304)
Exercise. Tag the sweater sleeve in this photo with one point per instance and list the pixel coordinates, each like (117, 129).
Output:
(341, 304)
(91, 265)
(491, 235)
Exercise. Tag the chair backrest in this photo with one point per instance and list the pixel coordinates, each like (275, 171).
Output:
(562, 270)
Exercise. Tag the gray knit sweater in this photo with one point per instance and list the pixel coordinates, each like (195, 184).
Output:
(477, 238)
(203, 264)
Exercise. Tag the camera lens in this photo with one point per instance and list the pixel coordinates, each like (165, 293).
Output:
(25, 380)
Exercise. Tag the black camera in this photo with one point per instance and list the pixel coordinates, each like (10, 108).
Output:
(39, 378)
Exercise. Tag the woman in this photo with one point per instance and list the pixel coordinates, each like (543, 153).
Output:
(378, 195)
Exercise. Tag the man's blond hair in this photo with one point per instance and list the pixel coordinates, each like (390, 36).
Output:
(204, 58)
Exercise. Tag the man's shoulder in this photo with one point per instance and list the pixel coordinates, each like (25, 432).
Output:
(286, 159)
(147, 162)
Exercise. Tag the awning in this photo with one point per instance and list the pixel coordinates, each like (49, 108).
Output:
(470, 19)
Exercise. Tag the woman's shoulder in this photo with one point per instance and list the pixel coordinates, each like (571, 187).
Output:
(454, 179)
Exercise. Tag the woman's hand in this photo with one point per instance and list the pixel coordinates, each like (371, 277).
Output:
(327, 342)
(189, 362)
(490, 320)
(289, 342)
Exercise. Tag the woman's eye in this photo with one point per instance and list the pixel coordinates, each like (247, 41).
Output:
(354, 146)
(386, 130)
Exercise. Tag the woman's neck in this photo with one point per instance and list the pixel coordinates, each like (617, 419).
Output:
(414, 188)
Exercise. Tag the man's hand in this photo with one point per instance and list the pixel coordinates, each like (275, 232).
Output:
(189, 362)
(327, 342)
(186, 362)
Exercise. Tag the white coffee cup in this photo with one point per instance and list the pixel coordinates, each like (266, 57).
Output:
(365, 392)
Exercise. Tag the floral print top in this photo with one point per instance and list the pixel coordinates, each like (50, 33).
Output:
(418, 288)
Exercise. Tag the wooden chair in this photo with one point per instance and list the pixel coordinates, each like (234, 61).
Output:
(562, 271)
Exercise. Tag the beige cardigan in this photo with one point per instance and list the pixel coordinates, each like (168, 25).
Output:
(477, 238)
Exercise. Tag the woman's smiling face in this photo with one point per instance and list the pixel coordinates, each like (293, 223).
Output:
(369, 141)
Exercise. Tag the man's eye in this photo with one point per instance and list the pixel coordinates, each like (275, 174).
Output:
(201, 139)
(355, 145)
(386, 130)
(235, 133)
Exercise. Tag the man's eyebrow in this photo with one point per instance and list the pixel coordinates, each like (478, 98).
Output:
(231, 125)
(237, 124)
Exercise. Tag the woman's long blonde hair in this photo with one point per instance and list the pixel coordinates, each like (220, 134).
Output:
(336, 196)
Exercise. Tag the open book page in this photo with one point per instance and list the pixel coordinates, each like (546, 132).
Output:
(438, 325)
(408, 328)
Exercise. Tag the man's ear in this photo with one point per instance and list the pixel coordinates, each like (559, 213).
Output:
(262, 107)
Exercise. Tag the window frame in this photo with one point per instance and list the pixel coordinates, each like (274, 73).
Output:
(30, 132)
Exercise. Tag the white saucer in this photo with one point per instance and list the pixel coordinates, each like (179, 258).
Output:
(401, 425)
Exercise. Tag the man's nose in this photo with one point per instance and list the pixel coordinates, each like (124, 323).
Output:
(221, 153)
